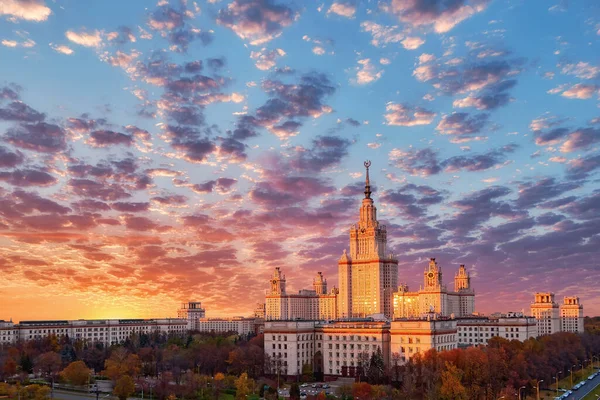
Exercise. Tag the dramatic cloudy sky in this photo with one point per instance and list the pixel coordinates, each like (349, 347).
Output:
(154, 153)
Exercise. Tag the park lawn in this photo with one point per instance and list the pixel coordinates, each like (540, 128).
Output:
(593, 395)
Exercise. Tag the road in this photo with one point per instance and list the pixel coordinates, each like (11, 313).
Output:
(585, 389)
(67, 395)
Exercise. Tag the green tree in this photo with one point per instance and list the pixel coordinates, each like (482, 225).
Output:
(124, 387)
(376, 367)
(76, 373)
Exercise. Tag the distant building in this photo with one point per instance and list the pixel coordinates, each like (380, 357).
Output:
(240, 325)
(571, 315)
(191, 311)
(259, 311)
(433, 296)
(106, 331)
(477, 330)
(551, 318)
(315, 304)
(546, 312)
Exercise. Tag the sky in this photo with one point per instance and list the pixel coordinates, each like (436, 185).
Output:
(158, 153)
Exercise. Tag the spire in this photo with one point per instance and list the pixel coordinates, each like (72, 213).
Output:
(367, 183)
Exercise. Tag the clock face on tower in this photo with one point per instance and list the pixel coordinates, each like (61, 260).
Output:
(274, 281)
(430, 275)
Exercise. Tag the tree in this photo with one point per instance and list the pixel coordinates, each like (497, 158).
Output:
(452, 388)
(345, 392)
(76, 373)
(124, 387)
(243, 386)
(120, 363)
(376, 367)
(294, 391)
(48, 363)
(218, 383)
(361, 391)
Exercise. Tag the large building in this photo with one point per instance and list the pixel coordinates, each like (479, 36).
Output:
(315, 304)
(341, 348)
(368, 274)
(106, 331)
(191, 311)
(434, 296)
(571, 315)
(551, 318)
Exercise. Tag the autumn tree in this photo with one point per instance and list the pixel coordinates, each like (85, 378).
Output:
(361, 391)
(48, 363)
(121, 363)
(218, 383)
(452, 388)
(124, 387)
(76, 373)
(243, 386)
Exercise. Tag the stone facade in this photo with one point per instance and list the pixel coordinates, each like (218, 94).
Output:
(315, 304)
(551, 318)
(368, 274)
(434, 296)
(107, 331)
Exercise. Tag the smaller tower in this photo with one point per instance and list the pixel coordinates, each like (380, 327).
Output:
(462, 280)
(277, 282)
(433, 276)
(320, 284)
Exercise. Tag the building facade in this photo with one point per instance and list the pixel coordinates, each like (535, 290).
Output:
(240, 325)
(477, 330)
(106, 331)
(551, 318)
(368, 274)
(546, 312)
(315, 304)
(191, 311)
(434, 296)
(571, 315)
(409, 337)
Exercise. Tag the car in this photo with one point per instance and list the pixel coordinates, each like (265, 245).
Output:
(326, 386)
(304, 384)
(302, 395)
(591, 377)
(314, 385)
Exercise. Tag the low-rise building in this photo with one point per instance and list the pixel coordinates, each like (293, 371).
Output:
(419, 335)
(477, 330)
(106, 331)
(240, 325)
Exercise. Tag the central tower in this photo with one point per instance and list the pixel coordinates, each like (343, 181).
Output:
(369, 274)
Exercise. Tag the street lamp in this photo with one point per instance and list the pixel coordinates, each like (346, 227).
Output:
(522, 387)
(556, 377)
(571, 370)
(538, 388)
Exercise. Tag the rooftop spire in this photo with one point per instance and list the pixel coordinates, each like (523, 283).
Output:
(367, 183)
